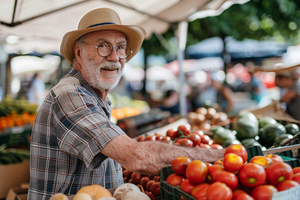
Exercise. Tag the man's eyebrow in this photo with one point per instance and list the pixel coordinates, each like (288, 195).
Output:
(123, 41)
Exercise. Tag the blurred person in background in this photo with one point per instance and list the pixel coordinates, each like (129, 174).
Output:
(170, 102)
(36, 90)
(258, 90)
(289, 85)
(214, 91)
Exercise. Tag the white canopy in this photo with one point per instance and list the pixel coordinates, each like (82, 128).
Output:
(46, 21)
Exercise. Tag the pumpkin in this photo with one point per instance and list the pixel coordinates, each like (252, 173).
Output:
(95, 191)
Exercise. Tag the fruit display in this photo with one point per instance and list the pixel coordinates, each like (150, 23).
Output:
(123, 106)
(233, 177)
(16, 113)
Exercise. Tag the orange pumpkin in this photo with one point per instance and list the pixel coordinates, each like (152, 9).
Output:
(95, 191)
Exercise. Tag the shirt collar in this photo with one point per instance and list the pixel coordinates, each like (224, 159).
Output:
(78, 75)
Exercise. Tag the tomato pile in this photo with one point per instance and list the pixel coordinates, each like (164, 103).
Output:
(149, 183)
(183, 136)
(233, 177)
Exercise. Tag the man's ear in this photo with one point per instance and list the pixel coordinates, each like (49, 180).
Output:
(77, 52)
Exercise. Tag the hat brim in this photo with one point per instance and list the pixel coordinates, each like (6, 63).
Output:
(134, 34)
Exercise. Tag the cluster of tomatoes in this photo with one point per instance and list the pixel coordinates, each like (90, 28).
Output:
(233, 177)
(149, 183)
(183, 136)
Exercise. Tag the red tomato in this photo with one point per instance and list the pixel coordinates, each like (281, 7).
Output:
(175, 179)
(216, 146)
(204, 145)
(205, 139)
(252, 175)
(154, 188)
(263, 192)
(296, 170)
(198, 132)
(172, 133)
(218, 190)
(184, 129)
(140, 138)
(228, 178)
(261, 160)
(279, 171)
(187, 186)
(232, 162)
(196, 171)
(274, 157)
(195, 138)
(150, 138)
(237, 192)
(199, 191)
(179, 165)
(219, 162)
(208, 164)
(296, 177)
(213, 171)
(238, 149)
(243, 196)
(158, 137)
(166, 138)
(286, 184)
(184, 142)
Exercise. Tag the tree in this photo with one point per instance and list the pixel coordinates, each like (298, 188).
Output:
(256, 19)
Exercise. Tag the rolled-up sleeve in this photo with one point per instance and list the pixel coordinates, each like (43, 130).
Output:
(83, 129)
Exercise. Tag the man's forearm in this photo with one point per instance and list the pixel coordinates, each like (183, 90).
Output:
(155, 155)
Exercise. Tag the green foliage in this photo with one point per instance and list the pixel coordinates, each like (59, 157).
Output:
(256, 19)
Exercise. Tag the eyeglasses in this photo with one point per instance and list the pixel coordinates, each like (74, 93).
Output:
(104, 49)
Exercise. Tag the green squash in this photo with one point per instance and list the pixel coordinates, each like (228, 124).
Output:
(265, 121)
(270, 132)
(279, 139)
(250, 142)
(292, 129)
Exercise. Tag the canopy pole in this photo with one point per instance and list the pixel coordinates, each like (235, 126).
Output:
(182, 35)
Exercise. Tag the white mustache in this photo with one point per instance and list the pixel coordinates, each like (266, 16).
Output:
(110, 65)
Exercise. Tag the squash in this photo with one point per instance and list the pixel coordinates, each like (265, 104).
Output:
(221, 135)
(82, 196)
(59, 196)
(250, 142)
(95, 191)
(292, 129)
(270, 132)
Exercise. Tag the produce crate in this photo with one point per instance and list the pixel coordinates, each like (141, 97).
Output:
(167, 191)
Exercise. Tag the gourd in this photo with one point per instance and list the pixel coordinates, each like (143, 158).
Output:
(95, 191)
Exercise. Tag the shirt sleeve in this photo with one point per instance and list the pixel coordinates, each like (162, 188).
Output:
(83, 129)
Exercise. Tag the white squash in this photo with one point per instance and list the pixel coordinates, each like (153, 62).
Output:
(59, 196)
(124, 188)
(82, 196)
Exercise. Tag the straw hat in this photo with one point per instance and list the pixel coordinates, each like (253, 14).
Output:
(102, 19)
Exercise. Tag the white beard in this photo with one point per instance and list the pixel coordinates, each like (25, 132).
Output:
(96, 80)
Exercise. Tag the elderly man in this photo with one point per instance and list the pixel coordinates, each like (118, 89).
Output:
(74, 143)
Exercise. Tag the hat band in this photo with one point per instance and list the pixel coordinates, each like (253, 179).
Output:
(106, 23)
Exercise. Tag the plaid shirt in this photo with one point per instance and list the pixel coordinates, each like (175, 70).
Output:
(71, 128)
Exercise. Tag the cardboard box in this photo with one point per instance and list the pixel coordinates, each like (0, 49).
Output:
(12, 175)
(18, 192)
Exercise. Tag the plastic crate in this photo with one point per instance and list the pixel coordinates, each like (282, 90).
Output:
(167, 191)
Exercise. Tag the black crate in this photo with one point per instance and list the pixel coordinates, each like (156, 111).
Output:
(167, 191)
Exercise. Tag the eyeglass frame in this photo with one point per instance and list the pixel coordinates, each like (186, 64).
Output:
(111, 49)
